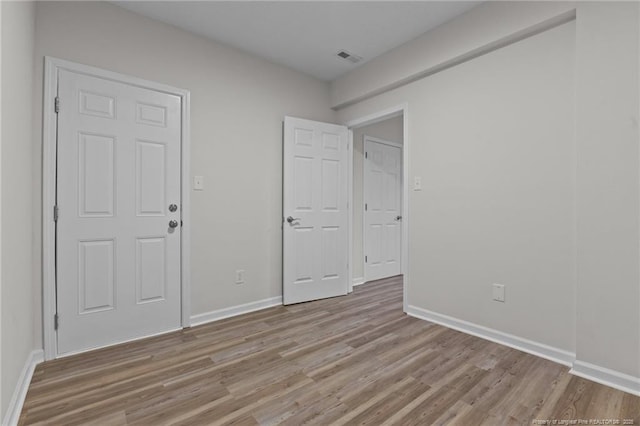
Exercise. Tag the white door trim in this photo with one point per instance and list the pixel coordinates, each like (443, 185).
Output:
(49, 131)
(382, 141)
(350, 210)
(367, 138)
(402, 109)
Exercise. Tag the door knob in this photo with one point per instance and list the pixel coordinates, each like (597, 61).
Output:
(398, 218)
(173, 207)
(292, 219)
(173, 224)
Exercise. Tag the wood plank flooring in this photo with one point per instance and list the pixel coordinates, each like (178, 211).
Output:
(350, 360)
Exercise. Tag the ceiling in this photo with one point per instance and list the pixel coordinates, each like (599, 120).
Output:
(306, 35)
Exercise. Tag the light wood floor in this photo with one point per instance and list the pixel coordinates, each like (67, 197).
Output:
(350, 360)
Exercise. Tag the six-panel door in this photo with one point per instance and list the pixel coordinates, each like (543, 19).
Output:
(315, 237)
(118, 260)
(382, 216)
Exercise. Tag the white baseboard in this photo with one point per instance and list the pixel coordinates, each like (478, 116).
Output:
(539, 349)
(20, 393)
(232, 311)
(602, 375)
(358, 281)
(607, 377)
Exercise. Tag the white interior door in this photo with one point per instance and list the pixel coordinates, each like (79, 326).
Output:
(315, 208)
(383, 211)
(118, 172)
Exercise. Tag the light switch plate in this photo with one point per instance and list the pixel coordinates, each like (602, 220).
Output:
(198, 183)
(498, 292)
(417, 183)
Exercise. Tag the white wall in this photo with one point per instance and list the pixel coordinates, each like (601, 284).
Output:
(17, 227)
(2, 409)
(237, 106)
(607, 107)
(483, 26)
(389, 130)
(497, 202)
(529, 162)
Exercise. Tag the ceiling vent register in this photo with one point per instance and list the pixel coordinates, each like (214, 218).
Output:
(349, 56)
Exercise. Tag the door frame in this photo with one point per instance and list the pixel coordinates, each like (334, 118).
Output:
(403, 110)
(367, 138)
(52, 66)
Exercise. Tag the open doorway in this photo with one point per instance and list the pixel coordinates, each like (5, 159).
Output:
(379, 197)
(382, 197)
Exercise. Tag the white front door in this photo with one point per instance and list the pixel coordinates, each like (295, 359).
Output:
(383, 212)
(315, 225)
(118, 173)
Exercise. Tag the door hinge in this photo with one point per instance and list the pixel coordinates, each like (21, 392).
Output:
(180, 224)
(55, 213)
(366, 206)
(365, 259)
(366, 155)
(56, 105)
(56, 321)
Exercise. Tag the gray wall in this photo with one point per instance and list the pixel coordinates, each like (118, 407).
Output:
(607, 186)
(19, 309)
(529, 162)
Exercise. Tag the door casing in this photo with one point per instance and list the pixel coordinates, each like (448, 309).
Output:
(49, 138)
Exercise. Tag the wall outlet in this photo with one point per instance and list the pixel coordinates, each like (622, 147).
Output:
(240, 276)
(498, 292)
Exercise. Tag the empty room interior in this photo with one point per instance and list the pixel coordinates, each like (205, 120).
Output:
(319, 212)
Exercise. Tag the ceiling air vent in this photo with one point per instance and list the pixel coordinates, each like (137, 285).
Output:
(349, 56)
